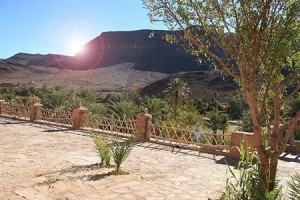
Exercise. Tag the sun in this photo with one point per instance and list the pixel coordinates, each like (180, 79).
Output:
(76, 45)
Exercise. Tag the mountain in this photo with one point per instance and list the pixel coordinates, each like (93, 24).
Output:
(115, 61)
(31, 60)
(7, 67)
(147, 53)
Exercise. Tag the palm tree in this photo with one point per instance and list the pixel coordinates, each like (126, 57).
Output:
(122, 107)
(214, 123)
(158, 109)
(176, 92)
(223, 124)
(56, 99)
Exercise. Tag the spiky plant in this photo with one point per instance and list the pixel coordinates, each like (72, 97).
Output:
(158, 108)
(294, 187)
(103, 150)
(120, 152)
(122, 107)
(248, 183)
(56, 98)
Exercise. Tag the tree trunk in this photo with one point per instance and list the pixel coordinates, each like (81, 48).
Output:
(268, 169)
(273, 171)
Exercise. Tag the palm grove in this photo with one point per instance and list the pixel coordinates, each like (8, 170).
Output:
(260, 43)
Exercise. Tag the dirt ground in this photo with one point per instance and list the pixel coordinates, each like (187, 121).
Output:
(47, 162)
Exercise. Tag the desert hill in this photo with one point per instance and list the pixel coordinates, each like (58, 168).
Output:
(147, 53)
(200, 83)
(114, 78)
(31, 60)
(116, 61)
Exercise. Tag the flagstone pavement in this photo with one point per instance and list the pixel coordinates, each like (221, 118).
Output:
(47, 162)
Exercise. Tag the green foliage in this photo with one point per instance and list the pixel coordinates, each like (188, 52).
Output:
(292, 108)
(206, 104)
(121, 106)
(158, 108)
(87, 95)
(177, 92)
(247, 124)
(102, 146)
(120, 152)
(236, 107)
(97, 108)
(189, 117)
(57, 98)
(248, 184)
(297, 134)
(294, 187)
(216, 121)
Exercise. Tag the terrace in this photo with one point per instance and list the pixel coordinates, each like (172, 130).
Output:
(41, 161)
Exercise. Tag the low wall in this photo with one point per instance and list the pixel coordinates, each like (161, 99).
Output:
(237, 137)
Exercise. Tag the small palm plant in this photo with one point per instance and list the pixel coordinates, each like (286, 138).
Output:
(120, 152)
(248, 183)
(214, 123)
(103, 150)
(294, 187)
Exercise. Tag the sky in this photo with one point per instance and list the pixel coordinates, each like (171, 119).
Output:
(63, 26)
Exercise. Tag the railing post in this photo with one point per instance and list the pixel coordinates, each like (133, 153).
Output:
(78, 117)
(2, 102)
(144, 125)
(35, 111)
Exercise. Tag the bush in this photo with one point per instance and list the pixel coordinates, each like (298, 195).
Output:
(294, 187)
(120, 151)
(102, 146)
(248, 184)
(297, 134)
(247, 124)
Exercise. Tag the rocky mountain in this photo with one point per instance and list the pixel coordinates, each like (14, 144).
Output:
(147, 53)
(114, 61)
(31, 60)
(114, 48)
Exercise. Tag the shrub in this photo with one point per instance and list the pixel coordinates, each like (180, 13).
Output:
(297, 134)
(121, 106)
(120, 151)
(103, 150)
(248, 184)
(294, 187)
(247, 124)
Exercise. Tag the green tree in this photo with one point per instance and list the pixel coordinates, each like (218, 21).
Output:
(57, 98)
(121, 106)
(158, 109)
(176, 92)
(255, 42)
(214, 122)
(292, 107)
(223, 124)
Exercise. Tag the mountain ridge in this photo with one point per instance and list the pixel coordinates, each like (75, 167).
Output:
(147, 49)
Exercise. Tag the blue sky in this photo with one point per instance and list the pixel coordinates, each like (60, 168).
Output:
(62, 26)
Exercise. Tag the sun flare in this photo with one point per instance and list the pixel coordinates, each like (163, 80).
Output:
(76, 46)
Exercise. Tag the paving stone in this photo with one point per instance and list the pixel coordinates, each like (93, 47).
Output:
(39, 164)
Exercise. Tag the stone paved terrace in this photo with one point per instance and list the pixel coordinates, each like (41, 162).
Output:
(47, 162)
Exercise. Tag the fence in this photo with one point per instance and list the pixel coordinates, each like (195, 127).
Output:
(17, 111)
(60, 117)
(78, 119)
